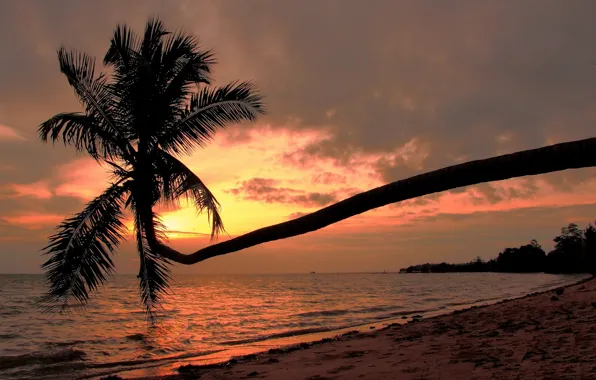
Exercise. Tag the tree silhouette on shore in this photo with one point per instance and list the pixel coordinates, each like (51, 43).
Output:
(574, 252)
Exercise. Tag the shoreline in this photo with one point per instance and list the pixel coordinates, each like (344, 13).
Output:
(264, 362)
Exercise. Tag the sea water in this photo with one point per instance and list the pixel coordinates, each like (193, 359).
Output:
(212, 318)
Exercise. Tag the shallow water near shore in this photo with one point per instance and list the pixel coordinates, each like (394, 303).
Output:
(211, 318)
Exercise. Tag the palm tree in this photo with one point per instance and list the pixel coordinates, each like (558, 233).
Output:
(155, 104)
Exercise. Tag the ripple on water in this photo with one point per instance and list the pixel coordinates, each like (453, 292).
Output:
(42, 357)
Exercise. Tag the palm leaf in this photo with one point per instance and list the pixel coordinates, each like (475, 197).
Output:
(183, 61)
(84, 133)
(178, 180)
(122, 50)
(95, 93)
(154, 273)
(81, 251)
(152, 43)
(208, 110)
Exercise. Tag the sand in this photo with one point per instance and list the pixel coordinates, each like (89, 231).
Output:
(540, 336)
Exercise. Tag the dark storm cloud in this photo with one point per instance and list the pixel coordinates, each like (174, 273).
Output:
(456, 75)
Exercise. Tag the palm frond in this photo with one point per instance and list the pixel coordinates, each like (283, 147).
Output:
(81, 251)
(209, 109)
(178, 180)
(180, 80)
(183, 59)
(123, 49)
(84, 133)
(154, 271)
(94, 92)
(183, 67)
(152, 40)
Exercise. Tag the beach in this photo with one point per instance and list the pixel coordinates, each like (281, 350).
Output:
(548, 335)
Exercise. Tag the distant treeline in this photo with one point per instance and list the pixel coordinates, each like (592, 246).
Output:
(574, 252)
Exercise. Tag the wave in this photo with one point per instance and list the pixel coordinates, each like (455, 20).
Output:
(68, 361)
(42, 357)
(9, 336)
(284, 334)
(334, 312)
(10, 312)
(337, 312)
(472, 302)
(323, 313)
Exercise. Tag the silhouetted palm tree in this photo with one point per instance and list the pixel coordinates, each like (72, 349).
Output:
(154, 105)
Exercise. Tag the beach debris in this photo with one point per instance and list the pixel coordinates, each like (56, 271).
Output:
(273, 360)
(294, 347)
(416, 318)
(554, 298)
(248, 357)
(440, 328)
(111, 377)
(253, 373)
(593, 304)
(543, 354)
(188, 369)
(511, 326)
(340, 369)
(559, 291)
(409, 338)
(355, 354)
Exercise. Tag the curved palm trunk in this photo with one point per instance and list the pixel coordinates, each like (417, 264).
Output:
(569, 155)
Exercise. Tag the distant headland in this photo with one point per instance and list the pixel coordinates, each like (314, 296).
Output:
(574, 252)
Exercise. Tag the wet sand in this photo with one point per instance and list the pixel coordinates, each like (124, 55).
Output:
(550, 335)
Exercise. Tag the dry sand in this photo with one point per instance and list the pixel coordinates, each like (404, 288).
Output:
(540, 336)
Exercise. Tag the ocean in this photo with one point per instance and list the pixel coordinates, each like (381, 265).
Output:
(210, 318)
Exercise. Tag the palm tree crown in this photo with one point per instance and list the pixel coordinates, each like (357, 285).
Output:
(155, 104)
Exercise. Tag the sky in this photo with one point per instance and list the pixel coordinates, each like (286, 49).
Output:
(358, 94)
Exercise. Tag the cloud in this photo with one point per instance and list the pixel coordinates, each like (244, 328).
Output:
(83, 178)
(265, 190)
(34, 220)
(328, 178)
(295, 215)
(473, 92)
(38, 189)
(7, 133)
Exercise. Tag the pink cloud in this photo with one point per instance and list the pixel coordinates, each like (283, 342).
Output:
(328, 178)
(7, 133)
(38, 189)
(34, 220)
(264, 190)
(82, 178)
